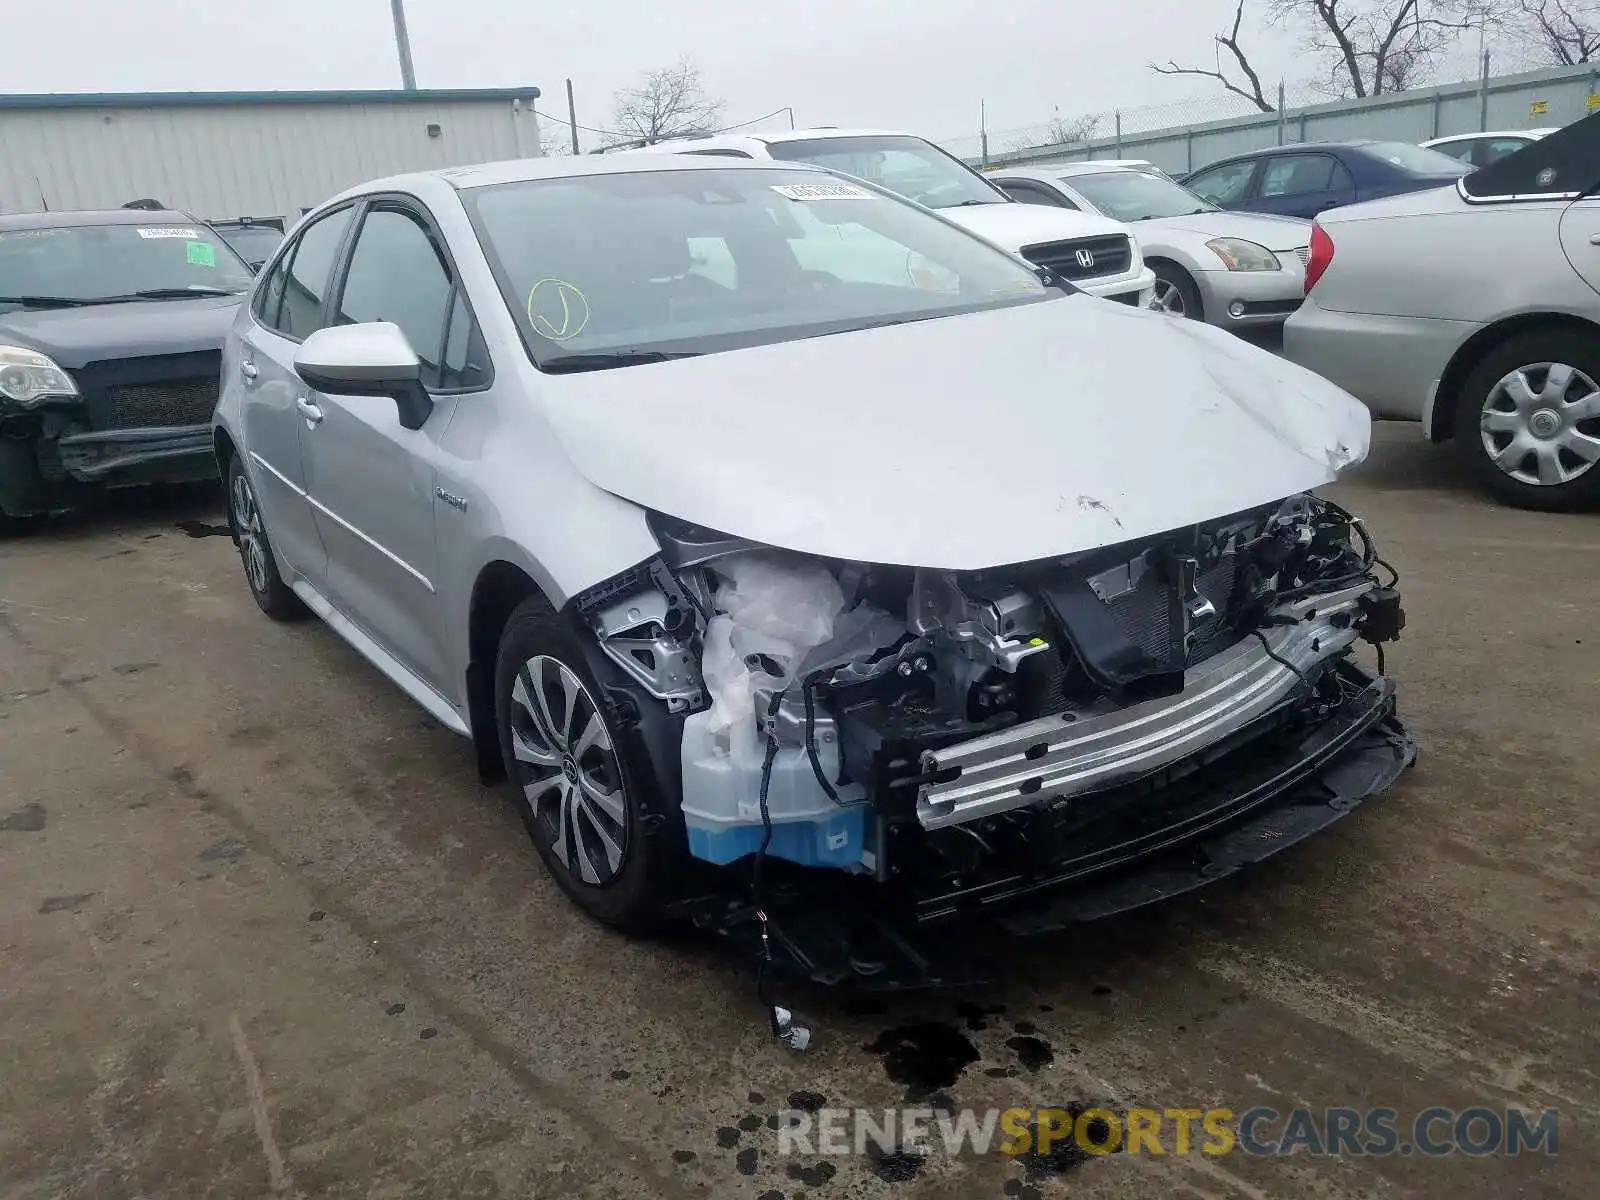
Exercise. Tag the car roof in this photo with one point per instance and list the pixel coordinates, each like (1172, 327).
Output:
(770, 137)
(523, 170)
(1292, 148)
(96, 216)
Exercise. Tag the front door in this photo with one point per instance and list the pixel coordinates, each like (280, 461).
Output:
(287, 310)
(370, 480)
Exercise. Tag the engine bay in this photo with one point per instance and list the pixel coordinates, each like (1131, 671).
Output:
(960, 730)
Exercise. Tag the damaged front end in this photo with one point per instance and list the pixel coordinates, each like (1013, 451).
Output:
(1042, 743)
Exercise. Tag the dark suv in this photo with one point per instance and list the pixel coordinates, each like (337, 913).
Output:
(111, 330)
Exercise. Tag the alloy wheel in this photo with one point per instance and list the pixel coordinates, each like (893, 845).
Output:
(1168, 298)
(1533, 424)
(568, 770)
(252, 543)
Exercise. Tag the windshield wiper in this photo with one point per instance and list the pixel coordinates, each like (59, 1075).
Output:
(45, 301)
(969, 203)
(198, 291)
(568, 364)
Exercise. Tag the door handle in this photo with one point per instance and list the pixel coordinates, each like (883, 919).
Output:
(309, 411)
(248, 370)
(1594, 239)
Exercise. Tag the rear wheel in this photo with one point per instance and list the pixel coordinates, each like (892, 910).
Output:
(1527, 421)
(1175, 293)
(577, 783)
(272, 595)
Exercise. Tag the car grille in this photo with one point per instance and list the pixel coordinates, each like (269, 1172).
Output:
(1110, 255)
(154, 390)
(170, 402)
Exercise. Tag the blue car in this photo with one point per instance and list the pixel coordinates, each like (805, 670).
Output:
(1304, 180)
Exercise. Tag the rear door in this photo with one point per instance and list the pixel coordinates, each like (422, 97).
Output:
(371, 481)
(1580, 239)
(288, 308)
(1302, 185)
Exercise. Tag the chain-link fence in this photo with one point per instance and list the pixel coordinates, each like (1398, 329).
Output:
(1149, 124)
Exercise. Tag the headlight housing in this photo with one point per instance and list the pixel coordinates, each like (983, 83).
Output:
(1240, 255)
(28, 377)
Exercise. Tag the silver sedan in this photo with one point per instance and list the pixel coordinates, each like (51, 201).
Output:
(1475, 309)
(1231, 269)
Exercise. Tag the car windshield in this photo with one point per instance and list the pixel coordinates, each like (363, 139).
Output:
(90, 263)
(254, 243)
(1416, 160)
(908, 165)
(1136, 196)
(628, 267)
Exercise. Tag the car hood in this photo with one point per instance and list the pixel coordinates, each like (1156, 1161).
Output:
(963, 442)
(1012, 226)
(75, 337)
(1275, 233)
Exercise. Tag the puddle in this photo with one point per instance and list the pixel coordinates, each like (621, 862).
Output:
(204, 529)
(925, 1056)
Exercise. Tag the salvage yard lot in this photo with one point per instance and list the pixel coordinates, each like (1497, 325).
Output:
(262, 932)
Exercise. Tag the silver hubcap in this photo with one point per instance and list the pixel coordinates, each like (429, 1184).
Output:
(1169, 299)
(568, 770)
(252, 537)
(1536, 426)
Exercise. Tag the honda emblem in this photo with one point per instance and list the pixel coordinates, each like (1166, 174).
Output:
(1085, 259)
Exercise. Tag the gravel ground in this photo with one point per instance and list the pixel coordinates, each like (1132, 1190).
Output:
(263, 934)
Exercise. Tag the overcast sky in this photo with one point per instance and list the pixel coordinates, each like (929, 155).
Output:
(921, 65)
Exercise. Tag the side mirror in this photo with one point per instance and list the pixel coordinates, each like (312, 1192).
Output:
(370, 359)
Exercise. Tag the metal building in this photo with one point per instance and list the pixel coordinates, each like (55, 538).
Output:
(258, 154)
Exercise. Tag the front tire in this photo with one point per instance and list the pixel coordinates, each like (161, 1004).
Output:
(577, 781)
(1527, 421)
(272, 595)
(1176, 294)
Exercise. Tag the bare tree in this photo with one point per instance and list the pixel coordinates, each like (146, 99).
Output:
(1374, 46)
(1364, 47)
(1250, 89)
(555, 141)
(669, 103)
(1063, 131)
(1565, 32)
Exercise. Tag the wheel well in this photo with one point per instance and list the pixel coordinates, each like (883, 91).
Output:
(499, 588)
(1472, 351)
(1155, 261)
(222, 445)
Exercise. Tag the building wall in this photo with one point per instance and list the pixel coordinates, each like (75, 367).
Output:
(1567, 94)
(253, 159)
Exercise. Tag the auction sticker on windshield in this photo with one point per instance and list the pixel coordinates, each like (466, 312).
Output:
(822, 191)
(153, 232)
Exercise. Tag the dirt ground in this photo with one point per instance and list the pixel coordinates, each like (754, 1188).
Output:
(263, 934)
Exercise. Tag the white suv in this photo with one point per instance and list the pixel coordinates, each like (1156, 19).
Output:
(1096, 254)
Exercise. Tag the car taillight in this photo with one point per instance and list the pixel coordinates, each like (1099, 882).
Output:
(1320, 258)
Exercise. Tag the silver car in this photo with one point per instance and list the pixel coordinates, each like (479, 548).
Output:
(735, 548)
(1475, 309)
(1232, 269)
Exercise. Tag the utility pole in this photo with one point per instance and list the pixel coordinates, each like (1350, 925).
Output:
(572, 116)
(402, 43)
(983, 130)
(1280, 112)
(1483, 96)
